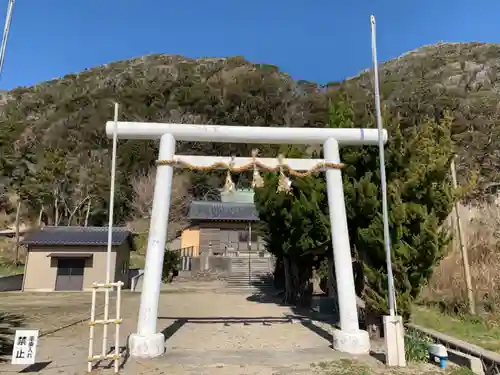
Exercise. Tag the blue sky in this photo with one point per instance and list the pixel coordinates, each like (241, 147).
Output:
(316, 40)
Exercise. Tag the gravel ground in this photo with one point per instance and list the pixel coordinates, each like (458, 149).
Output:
(207, 332)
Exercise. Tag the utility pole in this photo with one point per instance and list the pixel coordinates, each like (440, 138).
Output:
(18, 214)
(463, 246)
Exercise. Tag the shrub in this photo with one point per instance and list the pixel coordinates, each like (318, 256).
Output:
(171, 263)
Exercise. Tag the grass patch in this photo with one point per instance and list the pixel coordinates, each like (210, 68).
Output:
(343, 366)
(7, 268)
(445, 297)
(8, 324)
(363, 367)
(416, 346)
(138, 257)
(470, 329)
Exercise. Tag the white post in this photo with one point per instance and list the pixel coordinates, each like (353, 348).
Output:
(147, 343)
(110, 230)
(383, 181)
(349, 338)
(393, 324)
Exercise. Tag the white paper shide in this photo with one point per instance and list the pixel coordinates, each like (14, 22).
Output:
(24, 350)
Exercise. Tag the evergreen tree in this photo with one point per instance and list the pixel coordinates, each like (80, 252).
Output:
(293, 224)
(420, 197)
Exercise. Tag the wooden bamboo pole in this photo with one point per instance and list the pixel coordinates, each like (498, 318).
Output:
(91, 333)
(117, 327)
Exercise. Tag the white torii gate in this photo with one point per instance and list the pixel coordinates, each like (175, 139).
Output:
(147, 342)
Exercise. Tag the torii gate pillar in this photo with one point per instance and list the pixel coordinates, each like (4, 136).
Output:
(147, 342)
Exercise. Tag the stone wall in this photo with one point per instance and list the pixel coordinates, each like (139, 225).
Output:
(214, 263)
(220, 264)
(11, 283)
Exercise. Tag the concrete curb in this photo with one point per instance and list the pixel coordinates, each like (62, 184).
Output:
(490, 360)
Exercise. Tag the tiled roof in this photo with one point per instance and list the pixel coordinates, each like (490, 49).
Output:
(206, 210)
(76, 236)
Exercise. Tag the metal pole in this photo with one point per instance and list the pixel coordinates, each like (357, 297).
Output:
(6, 29)
(383, 182)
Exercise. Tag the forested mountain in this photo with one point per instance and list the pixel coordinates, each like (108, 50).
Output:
(463, 78)
(56, 157)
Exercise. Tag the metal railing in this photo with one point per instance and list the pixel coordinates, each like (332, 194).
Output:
(134, 280)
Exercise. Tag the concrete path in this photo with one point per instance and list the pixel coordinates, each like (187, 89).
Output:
(207, 332)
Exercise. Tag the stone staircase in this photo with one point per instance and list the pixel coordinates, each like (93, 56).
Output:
(252, 274)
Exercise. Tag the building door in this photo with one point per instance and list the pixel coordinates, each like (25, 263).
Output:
(228, 242)
(70, 273)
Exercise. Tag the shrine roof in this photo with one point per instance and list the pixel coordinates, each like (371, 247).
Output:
(75, 235)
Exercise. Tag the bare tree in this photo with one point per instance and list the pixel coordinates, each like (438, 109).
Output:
(77, 206)
(40, 216)
(74, 199)
(86, 171)
(143, 186)
(89, 204)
